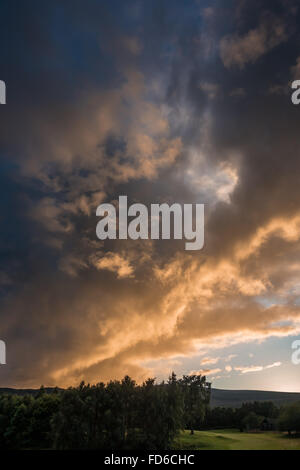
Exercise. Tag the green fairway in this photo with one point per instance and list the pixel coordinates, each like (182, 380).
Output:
(234, 440)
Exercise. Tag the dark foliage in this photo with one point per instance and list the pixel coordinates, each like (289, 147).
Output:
(250, 416)
(289, 419)
(117, 416)
(25, 420)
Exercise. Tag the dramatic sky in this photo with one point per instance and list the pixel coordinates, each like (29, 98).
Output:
(163, 101)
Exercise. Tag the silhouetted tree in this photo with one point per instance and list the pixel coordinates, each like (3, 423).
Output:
(289, 419)
(196, 398)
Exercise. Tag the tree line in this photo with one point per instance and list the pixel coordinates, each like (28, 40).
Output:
(122, 415)
(119, 415)
(255, 416)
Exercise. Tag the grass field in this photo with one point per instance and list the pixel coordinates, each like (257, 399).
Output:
(234, 440)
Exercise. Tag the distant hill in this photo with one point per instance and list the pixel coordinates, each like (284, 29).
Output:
(235, 398)
(26, 391)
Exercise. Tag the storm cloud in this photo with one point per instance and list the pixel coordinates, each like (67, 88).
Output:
(164, 102)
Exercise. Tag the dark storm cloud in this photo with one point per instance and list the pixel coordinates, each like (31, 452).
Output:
(162, 101)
